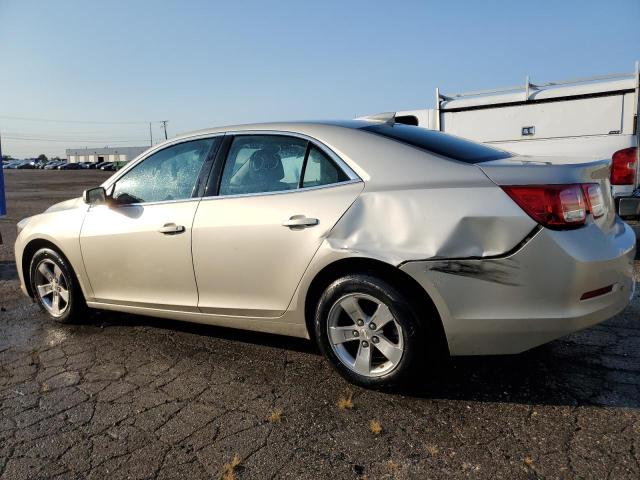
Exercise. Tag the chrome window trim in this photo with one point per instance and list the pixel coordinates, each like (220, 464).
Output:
(353, 177)
(145, 204)
(281, 192)
(238, 195)
(324, 148)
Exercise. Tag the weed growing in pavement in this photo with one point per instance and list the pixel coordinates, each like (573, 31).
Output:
(432, 449)
(529, 466)
(275, 416)
(345, 402)
(393, 467)
(229, 469)
(375, 427)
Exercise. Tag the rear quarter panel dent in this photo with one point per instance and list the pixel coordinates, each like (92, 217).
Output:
(405, 225)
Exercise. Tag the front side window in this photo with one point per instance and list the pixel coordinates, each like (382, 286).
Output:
(263, 163)
(170, 174)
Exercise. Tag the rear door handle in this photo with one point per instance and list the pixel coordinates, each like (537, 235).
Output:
(300, 221)
(171, 229)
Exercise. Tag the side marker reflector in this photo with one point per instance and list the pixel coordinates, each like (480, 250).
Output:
(596, 293)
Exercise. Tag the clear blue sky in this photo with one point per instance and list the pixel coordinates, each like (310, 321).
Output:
(205, 63)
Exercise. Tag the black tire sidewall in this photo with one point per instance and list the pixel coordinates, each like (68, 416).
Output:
(401, 309)
(76, 302)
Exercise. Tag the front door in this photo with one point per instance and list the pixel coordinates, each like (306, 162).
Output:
(137, 248)
(279, 197)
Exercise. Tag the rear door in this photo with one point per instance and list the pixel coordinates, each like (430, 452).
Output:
(278, 197)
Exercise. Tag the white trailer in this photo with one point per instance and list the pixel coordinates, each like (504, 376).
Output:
(594, 118)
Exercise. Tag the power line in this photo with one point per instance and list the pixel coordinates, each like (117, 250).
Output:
(69, 133)
(70, 136)
(105, 141)
(55, 120)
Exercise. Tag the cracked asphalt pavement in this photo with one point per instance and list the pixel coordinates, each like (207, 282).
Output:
(135, 397)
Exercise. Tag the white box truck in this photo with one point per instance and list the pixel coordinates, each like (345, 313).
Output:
(594, 118)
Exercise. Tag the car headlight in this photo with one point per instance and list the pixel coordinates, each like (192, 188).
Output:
(22, 223)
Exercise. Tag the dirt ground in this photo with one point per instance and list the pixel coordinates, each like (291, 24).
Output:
(135, 397)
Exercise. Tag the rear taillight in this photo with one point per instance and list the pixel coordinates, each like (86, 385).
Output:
(595, 199)
(623, 167)
(554, 206)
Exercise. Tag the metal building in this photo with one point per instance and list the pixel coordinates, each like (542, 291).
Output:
(107, 154)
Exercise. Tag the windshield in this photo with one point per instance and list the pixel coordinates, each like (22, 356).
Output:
(439, 143)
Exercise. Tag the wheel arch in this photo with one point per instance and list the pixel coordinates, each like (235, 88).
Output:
(27, 254)
(399, 279)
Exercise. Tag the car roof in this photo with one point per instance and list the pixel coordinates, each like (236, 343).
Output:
(379, 161)
(292, 126)
(382, 163)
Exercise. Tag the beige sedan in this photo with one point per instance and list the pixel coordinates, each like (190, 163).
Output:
(388, 244)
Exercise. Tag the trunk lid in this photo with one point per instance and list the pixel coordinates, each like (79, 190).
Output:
(526, 170)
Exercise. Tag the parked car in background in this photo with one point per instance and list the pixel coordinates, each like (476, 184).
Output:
(593, 118)
(52, 165)
(89, 165)
(407, 245)
(25, 166)
(22, 165)
(107, 166)
(70, 166)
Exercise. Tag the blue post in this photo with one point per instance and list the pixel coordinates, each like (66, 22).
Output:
(3, 199)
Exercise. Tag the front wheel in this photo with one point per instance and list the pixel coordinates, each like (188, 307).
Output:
(369, 331)
(55, 287)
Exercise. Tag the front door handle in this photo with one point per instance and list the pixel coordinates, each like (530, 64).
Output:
(171, 229)
(300, 221)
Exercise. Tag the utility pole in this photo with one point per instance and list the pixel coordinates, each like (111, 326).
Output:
(164, 125)
(150, 135)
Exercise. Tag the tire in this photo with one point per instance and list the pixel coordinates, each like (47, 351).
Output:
(50, 272)
(402, 338)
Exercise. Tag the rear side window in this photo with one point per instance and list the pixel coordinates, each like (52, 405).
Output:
(439, 143)
(262, 164)
(320, 170)
(274, 163)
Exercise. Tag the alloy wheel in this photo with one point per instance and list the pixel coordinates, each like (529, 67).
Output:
(52, 287)
(364, 335)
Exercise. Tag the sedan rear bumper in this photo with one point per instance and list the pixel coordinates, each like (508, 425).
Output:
(514, 303)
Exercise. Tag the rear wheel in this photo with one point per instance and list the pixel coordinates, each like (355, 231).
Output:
(369, 331)
(55, 287)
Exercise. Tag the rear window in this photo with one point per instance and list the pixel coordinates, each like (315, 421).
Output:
(440, 143)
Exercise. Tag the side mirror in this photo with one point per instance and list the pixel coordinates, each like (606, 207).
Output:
(95, 196)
